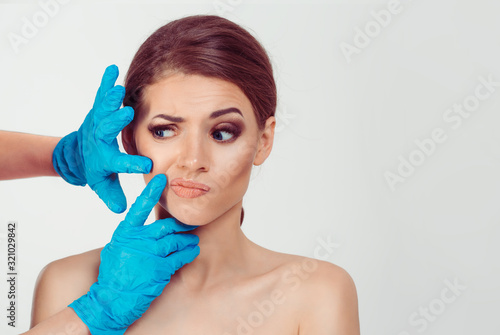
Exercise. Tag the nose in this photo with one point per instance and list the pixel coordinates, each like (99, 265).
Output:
(193, 153)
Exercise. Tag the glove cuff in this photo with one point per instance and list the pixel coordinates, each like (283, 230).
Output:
(67, 161)
(89, 310)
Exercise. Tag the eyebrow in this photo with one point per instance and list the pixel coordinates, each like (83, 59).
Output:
(213, 115)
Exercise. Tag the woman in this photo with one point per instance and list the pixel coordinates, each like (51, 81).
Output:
(204, 98)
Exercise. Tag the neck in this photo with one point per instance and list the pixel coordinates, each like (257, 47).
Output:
(224, 251)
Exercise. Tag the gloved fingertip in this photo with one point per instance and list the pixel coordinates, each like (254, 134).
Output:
(128, 111)
(111, 70)
(116, 93)
(186, 226)
(129, 116)
(123, 116)
(146, 166)
(158, 184)
(117, 208)
(141, 169)
(196, 250)
(109, 77)
(162, 178)
(119, 90)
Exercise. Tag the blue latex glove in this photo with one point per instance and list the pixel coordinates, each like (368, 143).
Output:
(91, 155)
(134, 266)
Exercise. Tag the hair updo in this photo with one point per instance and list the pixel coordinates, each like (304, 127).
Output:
(205, 45)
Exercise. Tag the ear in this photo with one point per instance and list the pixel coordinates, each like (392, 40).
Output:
(128, 140)
(266, 141)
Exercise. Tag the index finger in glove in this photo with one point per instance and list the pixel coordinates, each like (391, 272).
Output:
(161, 247)
(153, 232)
(163, 227)
(125, 163)
(144, 203)
(107, 82)
(109, 127)
(111, 193)
(177, 260)
(110, 103)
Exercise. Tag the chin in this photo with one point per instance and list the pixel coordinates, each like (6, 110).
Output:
(191, 220)
(187, 215)
(198, 211)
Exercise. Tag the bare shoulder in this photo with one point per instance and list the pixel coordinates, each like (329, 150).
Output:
(311, 272)
(324, 294)
(329, 300)
(52, 292)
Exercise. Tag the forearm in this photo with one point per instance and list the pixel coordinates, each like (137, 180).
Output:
(26, 155)
(66, 322)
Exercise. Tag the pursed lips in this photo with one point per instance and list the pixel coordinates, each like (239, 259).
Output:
(187, 188)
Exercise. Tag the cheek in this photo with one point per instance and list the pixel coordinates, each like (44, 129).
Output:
(242, 158)
(156, 152)
(228, 177)
(228, 166)
(232, 167)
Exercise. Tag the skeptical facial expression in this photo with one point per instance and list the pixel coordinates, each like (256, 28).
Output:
(203, 134)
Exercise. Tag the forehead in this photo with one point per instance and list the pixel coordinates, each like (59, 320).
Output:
(195, 95)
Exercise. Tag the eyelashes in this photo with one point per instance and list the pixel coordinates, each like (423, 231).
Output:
(218, 134)
(161, 131)
(226, 133)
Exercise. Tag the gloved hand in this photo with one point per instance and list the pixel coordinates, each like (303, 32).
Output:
(91, 155)
(134, 266)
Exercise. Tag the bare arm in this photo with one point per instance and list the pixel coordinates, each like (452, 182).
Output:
(65, 322)
(61, 282)
(58, 284)
(26, 155)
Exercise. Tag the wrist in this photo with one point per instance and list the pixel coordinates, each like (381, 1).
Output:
(94, 316)
(42, 156)
(67, 161)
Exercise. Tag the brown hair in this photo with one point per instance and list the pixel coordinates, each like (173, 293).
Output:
(210, 46)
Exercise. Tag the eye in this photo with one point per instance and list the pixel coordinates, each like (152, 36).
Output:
(222, 135)
(162, 131)
(226, 134)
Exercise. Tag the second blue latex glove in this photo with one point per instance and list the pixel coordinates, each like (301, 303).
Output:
(91, 155)
(135, 266)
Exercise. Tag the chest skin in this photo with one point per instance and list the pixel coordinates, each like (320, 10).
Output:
(258, 306)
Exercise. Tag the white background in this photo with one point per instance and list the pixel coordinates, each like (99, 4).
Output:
(342, 126)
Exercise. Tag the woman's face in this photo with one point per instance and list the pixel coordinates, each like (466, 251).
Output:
(202, 130)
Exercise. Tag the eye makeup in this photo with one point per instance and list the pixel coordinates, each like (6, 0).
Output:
(225, 132)
(158, 131)
(228, 128)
